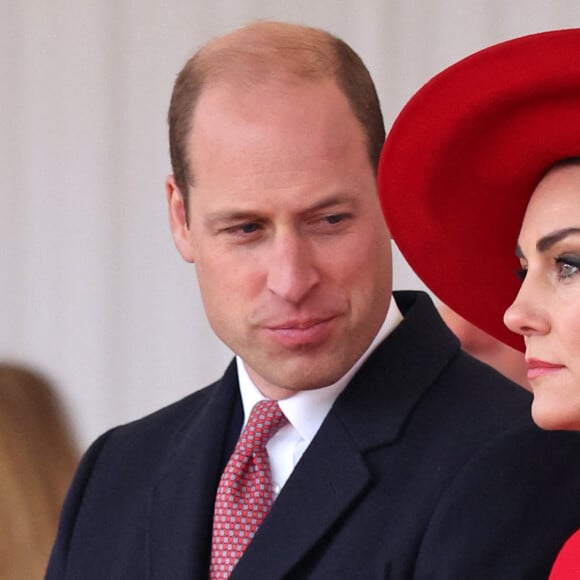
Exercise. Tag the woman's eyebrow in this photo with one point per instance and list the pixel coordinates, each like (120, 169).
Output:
(546, 242)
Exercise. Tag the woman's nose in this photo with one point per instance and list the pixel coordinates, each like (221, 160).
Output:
(527, 314)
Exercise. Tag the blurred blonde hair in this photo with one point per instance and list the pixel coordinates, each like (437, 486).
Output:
(37, 460)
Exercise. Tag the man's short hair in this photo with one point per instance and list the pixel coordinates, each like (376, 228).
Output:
(268, 51)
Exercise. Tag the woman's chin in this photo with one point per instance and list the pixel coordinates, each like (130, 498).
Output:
(555, 417)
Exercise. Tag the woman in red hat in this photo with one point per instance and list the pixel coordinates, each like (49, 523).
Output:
(485, 159)
(546, 312)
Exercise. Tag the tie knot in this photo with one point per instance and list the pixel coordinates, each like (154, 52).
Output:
(264, 421)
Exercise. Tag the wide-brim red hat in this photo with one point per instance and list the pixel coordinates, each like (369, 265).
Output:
(463, 158)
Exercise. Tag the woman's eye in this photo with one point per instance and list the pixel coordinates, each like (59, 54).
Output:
(567, 268)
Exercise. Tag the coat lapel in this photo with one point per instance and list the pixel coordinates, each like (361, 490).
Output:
(181, 507)
(333, 473)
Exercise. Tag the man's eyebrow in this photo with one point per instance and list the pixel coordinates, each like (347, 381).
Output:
(229, 216)
(546, 242)
(335, 199)
(242, 215)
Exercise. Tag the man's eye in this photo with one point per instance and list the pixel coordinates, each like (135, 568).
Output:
(335, 218)
(243, 231)
(249, 228)
(521, 273)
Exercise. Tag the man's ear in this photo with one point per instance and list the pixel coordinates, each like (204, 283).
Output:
(178, 220)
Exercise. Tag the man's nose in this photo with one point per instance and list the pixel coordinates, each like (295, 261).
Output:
(292, 272)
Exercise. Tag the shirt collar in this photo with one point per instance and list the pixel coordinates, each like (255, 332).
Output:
(306, 410)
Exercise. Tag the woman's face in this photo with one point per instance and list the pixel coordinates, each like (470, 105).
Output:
(546, 310)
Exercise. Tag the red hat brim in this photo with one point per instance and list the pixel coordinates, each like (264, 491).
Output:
(463, 158)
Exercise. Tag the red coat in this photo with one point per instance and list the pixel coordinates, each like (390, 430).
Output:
(567, 564)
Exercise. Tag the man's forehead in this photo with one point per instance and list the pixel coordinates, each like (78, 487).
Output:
(278, 82)
(263, 101)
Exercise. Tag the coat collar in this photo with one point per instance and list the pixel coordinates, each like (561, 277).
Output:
(376, 404)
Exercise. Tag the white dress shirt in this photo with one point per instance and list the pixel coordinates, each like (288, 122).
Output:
(306, 410)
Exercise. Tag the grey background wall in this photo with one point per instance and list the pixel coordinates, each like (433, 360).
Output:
(92, 291)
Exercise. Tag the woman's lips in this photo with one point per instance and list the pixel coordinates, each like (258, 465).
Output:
(539, 368)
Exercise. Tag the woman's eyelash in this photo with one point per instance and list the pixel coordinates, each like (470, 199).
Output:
(568, 266)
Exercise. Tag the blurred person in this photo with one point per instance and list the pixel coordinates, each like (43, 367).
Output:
(496, 191)
(509, 361)
(38, 456)
(350, 437)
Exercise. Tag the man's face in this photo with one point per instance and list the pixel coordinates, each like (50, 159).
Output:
(285, 229)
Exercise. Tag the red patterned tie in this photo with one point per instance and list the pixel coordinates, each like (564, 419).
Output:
(244, 494)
